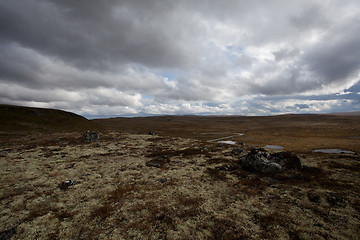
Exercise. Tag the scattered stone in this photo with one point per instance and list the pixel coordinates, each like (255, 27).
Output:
(298, 177)
(228, 167)
(304, 236)
(318, 225)
(314, 198)
(237, 151)
(335, 199)
(271, 196)
(66, 184)
(259, 160)
(70, 166)
(7, 234)
(3, 153)
(270, 180)
(90, 137)
(205, 149)
(158, 162)
(162, 180)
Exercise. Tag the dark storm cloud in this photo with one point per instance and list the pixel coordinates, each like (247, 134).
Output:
(115, 54)
(311, 16)
(334, 60)
(337, 58)
(94, 34)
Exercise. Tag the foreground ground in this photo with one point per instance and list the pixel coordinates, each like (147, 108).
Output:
(140, 186)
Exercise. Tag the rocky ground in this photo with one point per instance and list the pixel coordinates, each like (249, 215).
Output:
(140, 186)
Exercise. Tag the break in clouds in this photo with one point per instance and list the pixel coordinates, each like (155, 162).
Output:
(142, 57)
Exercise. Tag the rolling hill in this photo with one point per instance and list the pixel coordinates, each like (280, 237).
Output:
(24, 119)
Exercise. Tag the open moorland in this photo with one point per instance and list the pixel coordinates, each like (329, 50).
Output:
(298, 133)
(170, 177)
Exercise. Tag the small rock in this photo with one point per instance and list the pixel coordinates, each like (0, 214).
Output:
(3, 153)
(318, 225)
(237, 151)
(7, 234)
(162, 180)
(70, 166)
(314, 198)
(304, 236)
(151, 133)
(335, 199)
(158, 162)
(153, 164)
(90, 137)
(66, 184)
(270, 180)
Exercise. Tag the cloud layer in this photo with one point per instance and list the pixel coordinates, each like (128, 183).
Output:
(138, 57)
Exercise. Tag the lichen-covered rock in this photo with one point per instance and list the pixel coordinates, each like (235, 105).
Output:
(287, 160)
(90, 136)
(259, 160)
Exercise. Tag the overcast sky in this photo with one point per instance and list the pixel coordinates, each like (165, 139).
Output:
(141, 57)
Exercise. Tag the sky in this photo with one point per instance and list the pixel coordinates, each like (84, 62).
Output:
(157, 57)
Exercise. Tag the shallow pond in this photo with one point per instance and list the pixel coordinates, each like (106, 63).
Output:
(332, 150)
(227, 142)
(222, 138)
(276, 147)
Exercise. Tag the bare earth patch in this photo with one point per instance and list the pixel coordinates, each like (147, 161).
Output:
(137, 186)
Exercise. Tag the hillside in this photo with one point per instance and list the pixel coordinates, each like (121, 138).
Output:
(346, 113)
(16, 119)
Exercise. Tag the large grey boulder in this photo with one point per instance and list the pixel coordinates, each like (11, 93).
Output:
(287, 160)
(259, 160)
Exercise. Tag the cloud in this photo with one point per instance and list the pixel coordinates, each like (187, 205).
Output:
(176, 57)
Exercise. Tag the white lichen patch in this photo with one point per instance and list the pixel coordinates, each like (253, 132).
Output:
(193, 189)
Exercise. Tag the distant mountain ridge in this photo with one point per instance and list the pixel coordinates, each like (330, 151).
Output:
(18, 118)
(346, 113)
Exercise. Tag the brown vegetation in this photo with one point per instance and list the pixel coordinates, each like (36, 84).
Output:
(140, 186)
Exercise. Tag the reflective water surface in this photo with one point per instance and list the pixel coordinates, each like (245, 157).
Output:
(277, 147)
(332, 150)
(227, 142)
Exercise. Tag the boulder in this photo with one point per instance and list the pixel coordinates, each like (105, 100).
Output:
(287, 160)
(259, 160)
(237, 151)
(90, 137)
